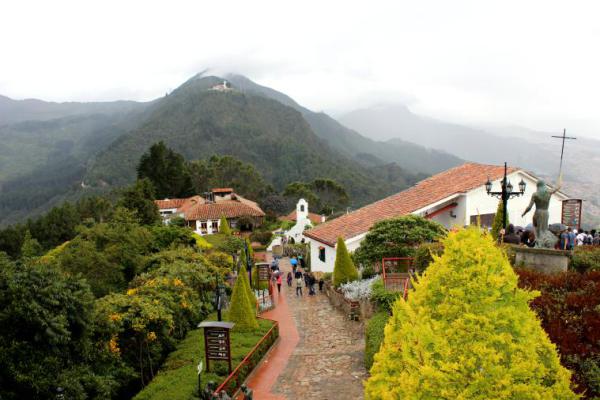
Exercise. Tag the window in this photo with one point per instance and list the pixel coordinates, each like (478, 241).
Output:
(302, 207)
(203, 226)
(322, 253)
(215, 226)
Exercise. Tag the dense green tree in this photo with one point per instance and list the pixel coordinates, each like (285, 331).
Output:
(227, 171)
(167, 171)
(109, 254)
(344, 270)
(140, 198)
(31, 247)
(397, 237)
(95, 208)
(332, 196)
(323, 195)
(46, 336)
(57, 226)
(467, 332)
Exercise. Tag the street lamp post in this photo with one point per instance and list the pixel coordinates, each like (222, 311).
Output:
(506, 193)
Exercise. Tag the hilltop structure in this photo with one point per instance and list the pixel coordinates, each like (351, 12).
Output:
(304, 220)
(456, 197)
(203, 214)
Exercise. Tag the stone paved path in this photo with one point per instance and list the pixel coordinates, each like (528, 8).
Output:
(327, 362)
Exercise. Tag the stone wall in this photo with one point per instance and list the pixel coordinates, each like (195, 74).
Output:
(355, 310)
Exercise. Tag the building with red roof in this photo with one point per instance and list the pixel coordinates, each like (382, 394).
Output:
(203, 214)
(456, 197)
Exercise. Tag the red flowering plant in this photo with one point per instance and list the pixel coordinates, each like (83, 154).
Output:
(569, 307)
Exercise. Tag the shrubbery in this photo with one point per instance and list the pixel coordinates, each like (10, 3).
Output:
(569, 307)
(241, 310)
(383, 298)
(344, 270)
(424, 255)
(374, 335)
(586, 258)
(466, 331)
(397, 237)
(263, 238)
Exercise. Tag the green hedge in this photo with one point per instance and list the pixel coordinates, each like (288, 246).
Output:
(178, 378)
(374, 336)
(384, 298)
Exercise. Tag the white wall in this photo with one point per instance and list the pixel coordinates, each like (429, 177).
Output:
(475, 202)
(479, 202)
(302, 220)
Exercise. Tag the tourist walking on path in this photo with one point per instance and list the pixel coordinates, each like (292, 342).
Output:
(279, 282)
(294, 263)
(290, 278)
(299, 286)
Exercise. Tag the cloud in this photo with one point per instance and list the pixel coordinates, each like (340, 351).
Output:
(528, 63)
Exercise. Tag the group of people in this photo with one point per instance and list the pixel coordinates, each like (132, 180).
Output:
(569, 238)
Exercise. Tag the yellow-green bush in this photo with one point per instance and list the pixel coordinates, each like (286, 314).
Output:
(201, 242)
(466, 332)
(374, 335)
(344, 269)
(224, 228)
(241, 310)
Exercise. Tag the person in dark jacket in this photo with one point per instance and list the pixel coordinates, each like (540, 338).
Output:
(511, 237)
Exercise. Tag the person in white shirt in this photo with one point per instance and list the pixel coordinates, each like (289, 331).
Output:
(581, 238)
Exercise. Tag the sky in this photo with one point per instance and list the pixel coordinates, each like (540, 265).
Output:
(526, 63)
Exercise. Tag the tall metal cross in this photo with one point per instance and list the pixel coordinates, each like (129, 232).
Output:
(562, 150)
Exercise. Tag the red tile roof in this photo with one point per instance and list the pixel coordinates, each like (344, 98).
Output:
(222, 190)
(197, 208)
(314, 218)
(228, 208)
(169, 203)
(457, 180)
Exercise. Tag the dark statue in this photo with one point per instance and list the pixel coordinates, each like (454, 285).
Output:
(541, 199)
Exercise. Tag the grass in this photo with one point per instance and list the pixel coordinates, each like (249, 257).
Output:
(217, 240)
(178, 377)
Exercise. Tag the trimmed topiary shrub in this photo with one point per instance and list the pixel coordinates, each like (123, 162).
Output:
(263, 238)
(465, 332)
(374, 335)
(344, 270)
(224, 228)
(498, 221)
(397, 237)
(241, 310)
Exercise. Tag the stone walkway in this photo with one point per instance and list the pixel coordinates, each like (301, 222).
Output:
(326, 363)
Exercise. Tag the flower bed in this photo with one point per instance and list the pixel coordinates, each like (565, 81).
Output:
(356, 310)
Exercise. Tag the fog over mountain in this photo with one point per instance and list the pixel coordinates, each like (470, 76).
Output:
(533, 150)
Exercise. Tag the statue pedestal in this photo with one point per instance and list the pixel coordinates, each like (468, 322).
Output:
(548, 261)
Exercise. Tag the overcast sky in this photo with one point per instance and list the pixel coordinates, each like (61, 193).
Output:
(529, 63)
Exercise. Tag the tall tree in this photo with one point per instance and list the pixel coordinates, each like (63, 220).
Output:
(167, 171)
(227, 171)
(139, 198)
(498, 221)
(467, 332)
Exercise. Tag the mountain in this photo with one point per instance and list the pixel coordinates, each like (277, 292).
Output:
(13, 111)
(533, 150)
(199, 122)
(57, 151)
(353, 144)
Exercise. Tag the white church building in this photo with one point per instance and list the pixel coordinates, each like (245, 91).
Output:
(456, 197)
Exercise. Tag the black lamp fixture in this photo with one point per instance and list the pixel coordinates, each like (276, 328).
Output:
(506, 193)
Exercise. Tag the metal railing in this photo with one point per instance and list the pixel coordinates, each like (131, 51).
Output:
(232, 383)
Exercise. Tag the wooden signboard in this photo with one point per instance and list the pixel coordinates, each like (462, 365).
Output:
(264, 270)
(571, 213)
(217, 343)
